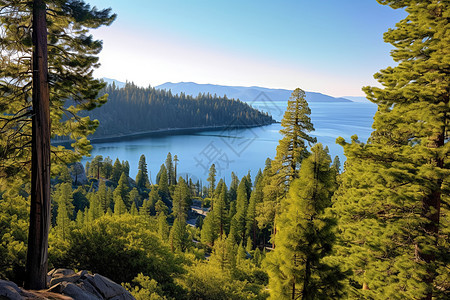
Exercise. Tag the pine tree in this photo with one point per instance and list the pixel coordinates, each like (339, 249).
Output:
(212, 180)
(298, 264)
(145, 210)
(106, 168)
(224, 254)
(209, 231)
(238, 224)
(95, 166)
(103, 196)
(119, 205)
(153, 198)
(95, 207)
(240, 254)
(175, 164)
(181, 199)
(179, 236)
(220, 209)
(163, 183)
(161, 207)
(126, 168)
(336, 164)
(35, 67)
(291, 149)
(116, 171)
(134, 211)
(134, 197)
(142, 180)
(392, 204)
(122, 190)
(251, 226)
(233, 187)
(163, 227)
(64, 200)
(170, 170)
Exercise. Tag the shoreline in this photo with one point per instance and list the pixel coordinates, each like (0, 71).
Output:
(161, 132)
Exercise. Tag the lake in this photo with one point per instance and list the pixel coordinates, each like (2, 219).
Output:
(240, 150)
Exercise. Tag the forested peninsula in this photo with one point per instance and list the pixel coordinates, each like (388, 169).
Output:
(135, 111)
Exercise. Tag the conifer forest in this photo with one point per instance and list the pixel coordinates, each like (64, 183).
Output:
(306, 226)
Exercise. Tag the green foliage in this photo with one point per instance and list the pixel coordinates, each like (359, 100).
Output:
(291, 149)
(116, 171)
(305, 236)
(179, 236)
(181, 199)
(163, 183)
(72, 88)
(238, 224)
(220, 209)
(170, 169)
(394, 193)
(212, 180)
(142, 180)
(119, 205)
(206, 281)
(145, 288)
(122, 190)
(119, 247)
(161, 207)
(102, 195)
(14, 216)
(63, 197)
(209, 231)
(163, 227)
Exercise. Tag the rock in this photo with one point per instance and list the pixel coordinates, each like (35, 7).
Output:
(83, 274)
(78, 173)
(57, 288)
(10, 290)
(62, 272)
(108, 288)
(77, 293)
(68, 285)
(87, 286)
(70, 278)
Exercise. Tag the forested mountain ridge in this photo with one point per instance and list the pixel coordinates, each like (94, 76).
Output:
(133, 109)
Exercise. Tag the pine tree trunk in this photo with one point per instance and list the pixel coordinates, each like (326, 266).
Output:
(293, 289)
(305, 291)
(431, 206)
(36, 277)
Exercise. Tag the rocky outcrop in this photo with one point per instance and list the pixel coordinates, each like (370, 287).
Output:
(78, 173)
(66, 284)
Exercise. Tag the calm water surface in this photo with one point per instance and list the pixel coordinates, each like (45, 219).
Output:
(240, 150)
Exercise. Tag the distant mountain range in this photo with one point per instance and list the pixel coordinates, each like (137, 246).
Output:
(356, 98)
(118, 83)
(246, 94)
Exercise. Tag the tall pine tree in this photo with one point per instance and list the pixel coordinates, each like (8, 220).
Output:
(297, 267)
(393, 201)
(47, 58)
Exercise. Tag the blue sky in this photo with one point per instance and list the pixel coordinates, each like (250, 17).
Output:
(327, 46)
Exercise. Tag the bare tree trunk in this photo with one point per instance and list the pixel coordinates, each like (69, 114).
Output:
(37, 258)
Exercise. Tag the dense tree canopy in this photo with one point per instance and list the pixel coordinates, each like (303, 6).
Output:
(133, 109)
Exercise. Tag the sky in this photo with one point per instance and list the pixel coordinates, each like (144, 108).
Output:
(328, 46)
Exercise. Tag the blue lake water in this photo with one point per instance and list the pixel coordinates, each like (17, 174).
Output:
(240, 150)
